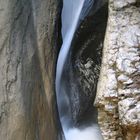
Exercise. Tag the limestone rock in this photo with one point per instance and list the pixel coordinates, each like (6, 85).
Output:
(118, 88)
(27, 108)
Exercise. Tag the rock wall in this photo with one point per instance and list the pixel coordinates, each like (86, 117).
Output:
(27, 59)
(83, 67)
(28, 48)
(118, 97)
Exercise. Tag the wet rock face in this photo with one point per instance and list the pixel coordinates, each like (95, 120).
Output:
(27, 107)
(83, 67)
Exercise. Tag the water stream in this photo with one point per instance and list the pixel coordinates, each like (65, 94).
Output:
(73, 13)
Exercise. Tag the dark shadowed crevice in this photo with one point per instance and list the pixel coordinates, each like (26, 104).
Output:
(83, 66)
(57, 47)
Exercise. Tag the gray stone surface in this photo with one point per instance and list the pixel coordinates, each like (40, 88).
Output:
(27, 108)
(118, 89)
(28, 36)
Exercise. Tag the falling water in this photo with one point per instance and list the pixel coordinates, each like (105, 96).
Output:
(73, 12)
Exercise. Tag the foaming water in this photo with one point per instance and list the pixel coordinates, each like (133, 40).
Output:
(73, 12)
(89, 133)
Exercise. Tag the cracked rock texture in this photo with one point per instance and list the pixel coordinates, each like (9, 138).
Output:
(27, 58)
(118, 95)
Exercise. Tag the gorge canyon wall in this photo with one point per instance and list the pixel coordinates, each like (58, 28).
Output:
(29, 43)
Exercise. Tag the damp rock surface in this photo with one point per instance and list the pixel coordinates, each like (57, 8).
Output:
(83, 67)
(27, 58)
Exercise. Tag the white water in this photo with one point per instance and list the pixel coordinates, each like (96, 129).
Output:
(89, 133)
(72, 13)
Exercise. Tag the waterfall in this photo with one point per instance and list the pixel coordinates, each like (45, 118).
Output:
(73, 12)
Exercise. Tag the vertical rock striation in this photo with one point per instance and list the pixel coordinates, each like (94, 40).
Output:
(27, 58)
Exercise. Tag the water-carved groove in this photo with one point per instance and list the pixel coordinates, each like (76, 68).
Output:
(80, 71)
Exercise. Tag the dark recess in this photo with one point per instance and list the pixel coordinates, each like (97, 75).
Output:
(87, 45)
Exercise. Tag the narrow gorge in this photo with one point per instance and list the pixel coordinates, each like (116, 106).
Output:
(69, 69)
(78, 67)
